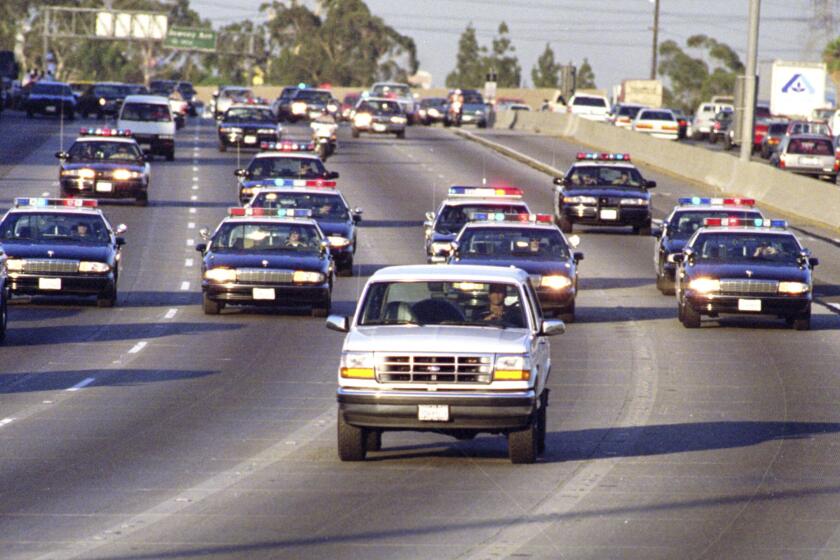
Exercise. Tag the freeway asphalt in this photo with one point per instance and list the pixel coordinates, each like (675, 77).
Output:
(151, 431)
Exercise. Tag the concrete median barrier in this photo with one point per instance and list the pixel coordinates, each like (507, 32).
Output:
(799, 196)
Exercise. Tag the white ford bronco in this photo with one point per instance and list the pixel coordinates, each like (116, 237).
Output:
(457, 350)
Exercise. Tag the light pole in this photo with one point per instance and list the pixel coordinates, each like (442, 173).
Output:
(749, 83)
(655, 39)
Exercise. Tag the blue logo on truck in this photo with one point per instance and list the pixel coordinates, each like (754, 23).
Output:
(798, 84)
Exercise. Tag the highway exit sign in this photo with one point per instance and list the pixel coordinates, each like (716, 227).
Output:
(186, 38)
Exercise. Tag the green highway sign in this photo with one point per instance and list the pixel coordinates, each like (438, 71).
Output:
(187, 38)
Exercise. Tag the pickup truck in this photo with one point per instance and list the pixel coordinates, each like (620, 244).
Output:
(457, 350)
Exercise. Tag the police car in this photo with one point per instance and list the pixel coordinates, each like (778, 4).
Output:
(442, 227)
(105, 163)
(602, 189)
(745, 267)
(267, 257)
(248, 126)
(686, 218)
(279, 161)
(61, 247)
(329, 208)
(532, 243)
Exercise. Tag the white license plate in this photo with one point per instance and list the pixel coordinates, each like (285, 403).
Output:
(50, 108)
(749, 305)
(263, 293)
(433, 412)
(49, 283)
(380, 127)
(104, 187)
(250, 139)
(609, 214)
(809, 161)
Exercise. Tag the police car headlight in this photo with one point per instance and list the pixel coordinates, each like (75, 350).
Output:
(266, 131)
(247, 190)
(512, 368)
(704, 285)
(307, 277)
(93, 266)
(434, 112)
(84, 173)
(670, 258)
(220, 274)
(793, 288)
(338, 241)
(102, 101)
(398, 120)
(357, 365)
(298, 107)
(556, 282)
(580, 200)
(634, 202)
(14, 265)
(125, 174)
(332, 108)
(363, 119)
(439, 247)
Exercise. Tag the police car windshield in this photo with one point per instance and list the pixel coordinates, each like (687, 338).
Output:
(279, 167)
(753, 247)
(512, 243)
(606, 175)
(51, 89)
(103, 150)
(148, 112)
(380, 107)
(473, 98)
(260, 237)
(54, 227)
(326, 207)
(313, 95)
(249, 114)
(683, 224)
(453, 217)
(468, 304)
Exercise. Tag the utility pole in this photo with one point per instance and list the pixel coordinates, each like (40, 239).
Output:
(750, 82)
(655, 39)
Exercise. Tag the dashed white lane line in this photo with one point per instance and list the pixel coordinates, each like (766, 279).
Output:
(192, 210)
(137, 347)
(188, 262)
(45, 193)
(83, 383)
(5, 421)
(190, 242)
(440, 176)
(194, 197)
(195, 187)
(185, 286)
(190, 225)
(195, 168)
(171, 313)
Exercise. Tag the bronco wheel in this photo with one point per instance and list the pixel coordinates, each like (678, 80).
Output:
(523, 444)
(352, 441)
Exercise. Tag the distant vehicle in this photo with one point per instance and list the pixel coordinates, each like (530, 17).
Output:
(150, 119)
(658, 123)
(775, 132)
(50, 99)
(227, 96)
(721, 125)
(309, 103)
(431, 110)
(473, 109)
(682, 122)
(701, 124)
(399, 92)
(9, 72)
(641, 92)
(348, 104)
(623, 114)
(807, 154)
(589, 106)
(380, 116)
(101, 99)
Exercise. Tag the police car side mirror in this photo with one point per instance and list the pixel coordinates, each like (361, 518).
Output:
(120, 241)
(357, 215)
(324, 246)
(678, 258)
(430, 218)
(577, 257)
(338, 323)
(332, 175)
(650, 184)
(552, 327)
(454, 248)
(813, 261)
(121, 229)
(201, 247)
(574, 240)
(204, 233)
(62, 155)
(656, 231)
(560, 181)
(242, 173)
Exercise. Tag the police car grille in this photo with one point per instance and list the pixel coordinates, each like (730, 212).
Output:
(408, 368)
(263, 276)
(50, 266)
(747, 286)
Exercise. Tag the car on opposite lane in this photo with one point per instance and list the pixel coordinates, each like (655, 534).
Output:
(281, 161)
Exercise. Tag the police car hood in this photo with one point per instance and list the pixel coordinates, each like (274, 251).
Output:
(437, 338)
(287, 260)
(772, 271)
(531, 266)
(334, 227)
(106, 165)
(608, 190)
(22, 250)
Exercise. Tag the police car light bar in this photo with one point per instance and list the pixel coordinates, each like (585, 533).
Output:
(46, 202)
(271, 212)
(740, 222)
(702, 201)
(485, 192)
(602, 156)
(310, 183)
(288, 146)
(121, 132)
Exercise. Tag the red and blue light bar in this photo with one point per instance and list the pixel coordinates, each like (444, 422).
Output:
(310, 183)
(55, 202)
(287, 146)
(485, 192)
(602, 156)
(118, 132)
(271, 212)
(703, 201)
(503, 217)
(741, 222)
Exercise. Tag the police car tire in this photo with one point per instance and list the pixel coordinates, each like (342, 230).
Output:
(222, 147)
(170, 155)
(354, 133)
(523, 444)
(401, 135)
(642, 230)
(109, 299)
(4, 317)
(29, 114)
(321, 310)
(802, 322)
(211, 307)
(565, 225)
(664, 285)
(352, 441)
(71, 116)
(373, 440)
(690, 317)
(542, 426)
(142, 200)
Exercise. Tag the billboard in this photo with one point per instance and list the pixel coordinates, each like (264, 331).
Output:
(797, 88)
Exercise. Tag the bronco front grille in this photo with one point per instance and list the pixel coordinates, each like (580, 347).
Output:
(263, 276)
(50, 266)
(747, 286)
(434, 368)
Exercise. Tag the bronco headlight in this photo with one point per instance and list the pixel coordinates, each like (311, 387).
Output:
(704, 285)
(398, 120)
(125, 174)
(357, 365)
(634, 202)
(556, 282)
(93, 266)
(434, 112)
(439, 247)
(307, 277)
(580, 200)
(14, 265)
(793, 288)
(338, 241)
(512, 368)
(298, 107)
(220, 274)
(362, 119)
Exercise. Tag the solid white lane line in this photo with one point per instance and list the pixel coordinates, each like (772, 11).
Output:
(171, 313)
(188, 262)
(137, 347)
(190, 242)
(5, 421)
(190, 225)
(83, 383)
(185, 286)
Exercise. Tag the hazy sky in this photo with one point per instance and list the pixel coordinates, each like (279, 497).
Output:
(615, 35)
